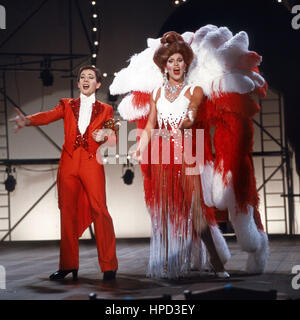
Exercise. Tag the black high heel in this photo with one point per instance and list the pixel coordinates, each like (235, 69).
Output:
(109, 275)
(60, 274)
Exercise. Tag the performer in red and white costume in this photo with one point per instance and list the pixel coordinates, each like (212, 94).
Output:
(80, 177)
(173, 196)
(227, 72)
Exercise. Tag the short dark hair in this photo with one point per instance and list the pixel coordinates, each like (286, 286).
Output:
(90, 67)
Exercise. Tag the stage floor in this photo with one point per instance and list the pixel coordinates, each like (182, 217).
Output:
(28, 266)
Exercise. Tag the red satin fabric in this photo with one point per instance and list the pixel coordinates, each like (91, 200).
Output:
(81, 184)
(75, 175)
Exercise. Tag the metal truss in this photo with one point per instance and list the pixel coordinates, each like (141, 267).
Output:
(276, 159)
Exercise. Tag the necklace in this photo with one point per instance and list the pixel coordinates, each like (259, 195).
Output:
(173, 91)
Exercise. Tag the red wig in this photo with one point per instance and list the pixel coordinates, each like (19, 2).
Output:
(172, 43)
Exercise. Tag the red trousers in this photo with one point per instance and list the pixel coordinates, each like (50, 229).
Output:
(77, 174)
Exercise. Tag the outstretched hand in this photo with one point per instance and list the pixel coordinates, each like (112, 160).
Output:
(135, 155)
(20, 121)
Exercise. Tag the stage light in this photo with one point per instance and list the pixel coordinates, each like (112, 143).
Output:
(10, 182)
(45, 74)
(115, 74)
(47, 78)
(95, 30)
(129, 174)
(104, 74)
(179, 2)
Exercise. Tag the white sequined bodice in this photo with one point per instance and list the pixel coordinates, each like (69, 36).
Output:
(172, 113)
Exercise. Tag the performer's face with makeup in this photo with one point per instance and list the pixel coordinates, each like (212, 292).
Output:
(175, 67)
(88, 82)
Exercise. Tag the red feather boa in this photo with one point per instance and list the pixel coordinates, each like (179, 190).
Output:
(233, 140)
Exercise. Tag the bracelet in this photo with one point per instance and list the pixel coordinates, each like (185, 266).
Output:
(190, 115)
(112, 124)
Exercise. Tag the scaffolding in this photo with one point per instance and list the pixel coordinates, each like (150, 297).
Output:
(274, 144)
(276, 169)
(276, 166)
(37, 65)
(4, 152)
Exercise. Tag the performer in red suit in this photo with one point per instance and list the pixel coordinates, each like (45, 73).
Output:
(228, 74)
(80, 177)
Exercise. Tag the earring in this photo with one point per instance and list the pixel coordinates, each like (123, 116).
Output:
(166, 76)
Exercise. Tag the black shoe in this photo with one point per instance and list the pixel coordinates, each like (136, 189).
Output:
(109, 275)
(60, 274)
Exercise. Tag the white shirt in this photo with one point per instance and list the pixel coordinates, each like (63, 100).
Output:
(85, 111)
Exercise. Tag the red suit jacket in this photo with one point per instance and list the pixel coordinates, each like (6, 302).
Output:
(68, 110)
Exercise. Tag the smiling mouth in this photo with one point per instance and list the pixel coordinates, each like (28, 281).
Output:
(85, 86)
